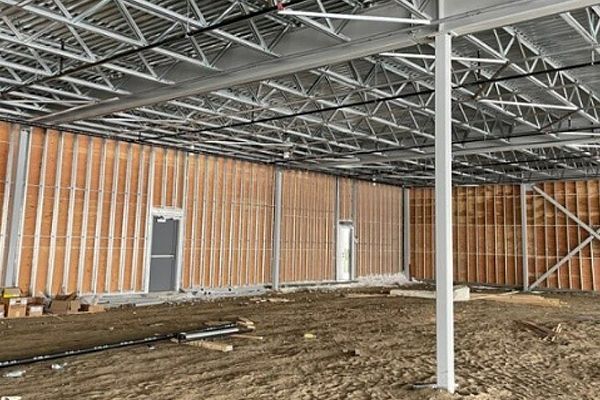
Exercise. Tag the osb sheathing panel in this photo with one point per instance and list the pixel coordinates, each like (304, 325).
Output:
(307, 230)
(378, 229)
(486, 234)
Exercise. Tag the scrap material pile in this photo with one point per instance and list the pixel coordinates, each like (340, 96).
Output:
(16, 305)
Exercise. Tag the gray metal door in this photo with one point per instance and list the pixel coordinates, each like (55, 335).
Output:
(163, 260)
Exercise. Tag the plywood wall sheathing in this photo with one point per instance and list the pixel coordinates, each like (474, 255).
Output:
(554, 235)
(378, 229)
(307, 250)
(486, 234)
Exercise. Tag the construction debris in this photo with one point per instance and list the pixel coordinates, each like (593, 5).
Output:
(246, 323)
(92, 308)
(461, 293)
(246, 336)
(15, 374)
(351, 352)
(516, 298)
(65, 304)
(57, 367)
(10, 292)
(278, 300)
(15, 307)
(211, 345)
(35, 310)
(212, 331)
(364, 295)
(257, 300)
(546, 334)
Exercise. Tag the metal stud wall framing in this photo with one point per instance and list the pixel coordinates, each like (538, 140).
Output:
(229, 216)
(87, 204)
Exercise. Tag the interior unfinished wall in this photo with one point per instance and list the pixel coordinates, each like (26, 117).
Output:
(487, 233)
(379, 228)
(89, 201)
(311, 205)
(555, 237)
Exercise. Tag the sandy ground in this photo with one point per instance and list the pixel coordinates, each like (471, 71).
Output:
(496, 359)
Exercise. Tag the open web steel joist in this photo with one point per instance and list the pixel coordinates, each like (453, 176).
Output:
(239, 78)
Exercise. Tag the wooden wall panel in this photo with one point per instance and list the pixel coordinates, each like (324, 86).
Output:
(486, 234)
(227, 222)
(307, 244)
(88, 202)
(346, 199)
(378, 229)
(555, 235)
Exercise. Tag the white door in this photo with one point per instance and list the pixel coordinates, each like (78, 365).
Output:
(344, 251)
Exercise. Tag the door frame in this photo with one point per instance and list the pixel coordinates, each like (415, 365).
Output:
(168, 213)
(352, 243)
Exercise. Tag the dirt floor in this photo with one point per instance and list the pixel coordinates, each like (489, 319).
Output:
(395, 338)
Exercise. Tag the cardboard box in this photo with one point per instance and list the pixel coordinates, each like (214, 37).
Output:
(92, 308)
(15, 301)
(8, 293)
(15, 307)
(35, 310)
(15, 311)
(65, 304)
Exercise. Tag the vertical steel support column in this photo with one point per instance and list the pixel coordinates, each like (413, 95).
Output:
(406, 232)
(55, 210)
(17, 204)
(443, 214)
(336, 221)
(524, 255)
(277, 230)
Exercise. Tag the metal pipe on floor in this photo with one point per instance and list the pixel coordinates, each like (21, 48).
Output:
(204, 333)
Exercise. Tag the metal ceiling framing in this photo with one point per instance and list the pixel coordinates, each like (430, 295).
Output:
(371, 116)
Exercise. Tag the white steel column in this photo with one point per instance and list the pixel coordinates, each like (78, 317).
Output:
(524, 255)
(406, 232)
(20, 170)
(277, 230)
(443, 214)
